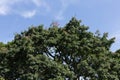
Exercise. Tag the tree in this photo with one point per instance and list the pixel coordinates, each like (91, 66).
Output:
(57, 53)
(81, 50)
(26, 58)
(3, 60)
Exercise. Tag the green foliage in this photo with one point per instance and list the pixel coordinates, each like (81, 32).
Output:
(1, 78)
(57, 53)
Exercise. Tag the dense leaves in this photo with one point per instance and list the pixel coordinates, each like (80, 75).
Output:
(58, 53)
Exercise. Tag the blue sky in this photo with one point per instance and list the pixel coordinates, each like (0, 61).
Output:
(18, 15)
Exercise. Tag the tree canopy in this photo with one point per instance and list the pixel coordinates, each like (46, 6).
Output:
(58, 53)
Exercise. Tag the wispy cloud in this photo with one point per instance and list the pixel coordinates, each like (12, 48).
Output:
(28, 14)
(64, 5)
(4, 10)
(5, 6)
(18, 7)
(41, 3)
(116, 45)
(117, 36)
(30, 8)
(37, 2)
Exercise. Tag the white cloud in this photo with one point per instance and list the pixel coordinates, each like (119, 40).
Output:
(4, 10)
(5, 6)
(23, 7)
(19, 7)
(28, 14)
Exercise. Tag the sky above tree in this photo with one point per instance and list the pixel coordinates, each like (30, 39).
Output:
(18, 15)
